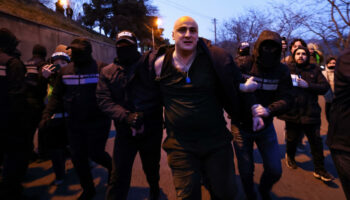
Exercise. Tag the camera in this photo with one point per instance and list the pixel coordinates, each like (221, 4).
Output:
(55, 68)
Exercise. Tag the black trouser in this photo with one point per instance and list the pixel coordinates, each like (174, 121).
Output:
(89, 143)
(54, 140)
(216, 167)
(312, 132)
(16, 142)
(125, 149)
(341, 161)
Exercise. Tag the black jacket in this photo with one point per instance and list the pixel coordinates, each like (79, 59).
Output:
(36, 83)
(306, 109)
(274, 83)
(121, 90)
(76, 88)
(229, 78)
(13, 103)
(338, 134)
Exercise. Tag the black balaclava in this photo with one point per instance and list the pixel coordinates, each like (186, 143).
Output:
(307, 62)
(269, 54)
(330, 67)
(8, 41)
(244, 52)
(127, 55)
(81, 51)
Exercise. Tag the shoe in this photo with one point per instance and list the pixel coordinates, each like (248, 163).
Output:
(87, 195)
(265, 195)
(291, 162)
(323, 175)
(154, 194)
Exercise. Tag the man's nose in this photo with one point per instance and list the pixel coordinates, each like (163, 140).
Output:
(187, 33)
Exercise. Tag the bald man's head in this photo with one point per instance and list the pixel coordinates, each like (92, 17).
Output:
(184, 19)
(185, 34)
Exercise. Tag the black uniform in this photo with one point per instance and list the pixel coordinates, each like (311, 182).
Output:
(124, 89)
(88, 127)
(37, 87)
(14, 140)
(338, 138)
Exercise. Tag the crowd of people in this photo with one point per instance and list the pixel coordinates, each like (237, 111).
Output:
(185, 88)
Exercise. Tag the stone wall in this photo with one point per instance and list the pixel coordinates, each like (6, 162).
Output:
(30, 33)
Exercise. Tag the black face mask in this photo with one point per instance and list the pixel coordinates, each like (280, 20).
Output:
(127, 55)
(269, 54)
(331, 67)
(80, 56)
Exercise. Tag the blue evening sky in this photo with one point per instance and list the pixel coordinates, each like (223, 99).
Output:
(203, 11)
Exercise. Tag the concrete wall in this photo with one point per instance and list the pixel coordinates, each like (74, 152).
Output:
(31, 33)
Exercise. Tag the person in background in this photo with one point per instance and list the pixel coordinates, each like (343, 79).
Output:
(328, 73)
(88, 127)
(304, 117)
(15, 142)
(243, 59)
(127, 92)
(292, 47)
(54, 132)
(274, 95)
(69, 12)
(284, 49)
(59, 7)
(338, 138)
(36, 88)
(316, 56)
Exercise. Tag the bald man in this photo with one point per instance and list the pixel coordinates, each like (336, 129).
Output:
(198, 82)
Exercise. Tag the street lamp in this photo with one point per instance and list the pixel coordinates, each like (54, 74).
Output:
(157, 22)
(63, 2)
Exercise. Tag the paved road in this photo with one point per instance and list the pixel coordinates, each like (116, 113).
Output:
(294, 184)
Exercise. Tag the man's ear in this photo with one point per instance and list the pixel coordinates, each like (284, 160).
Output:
(172, 35)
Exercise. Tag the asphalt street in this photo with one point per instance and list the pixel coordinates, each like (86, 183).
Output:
(294, 184)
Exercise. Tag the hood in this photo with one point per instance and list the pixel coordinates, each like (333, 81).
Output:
(267, 35)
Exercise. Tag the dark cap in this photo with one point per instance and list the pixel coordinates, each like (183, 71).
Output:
(126, 36)
(81, 44)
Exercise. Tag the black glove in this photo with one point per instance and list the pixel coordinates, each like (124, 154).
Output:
(135, 119)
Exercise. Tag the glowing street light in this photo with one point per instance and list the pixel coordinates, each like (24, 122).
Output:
(157, 22)
(63, 2)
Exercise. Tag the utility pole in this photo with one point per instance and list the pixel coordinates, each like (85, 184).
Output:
(214, 21)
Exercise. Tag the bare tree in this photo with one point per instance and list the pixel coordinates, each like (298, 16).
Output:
(245, 28)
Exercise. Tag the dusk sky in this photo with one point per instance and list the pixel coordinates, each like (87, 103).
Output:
(203, 12)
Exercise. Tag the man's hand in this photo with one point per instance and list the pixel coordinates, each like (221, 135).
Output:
(135, 119)
(249, 86)
(259, 110)
(47, 71)
(258, 123)
(302, 83)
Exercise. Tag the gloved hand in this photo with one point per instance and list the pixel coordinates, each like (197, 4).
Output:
(259, 110)
(249, 86)
(258, 123)
(135, 119)
(302, 83)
